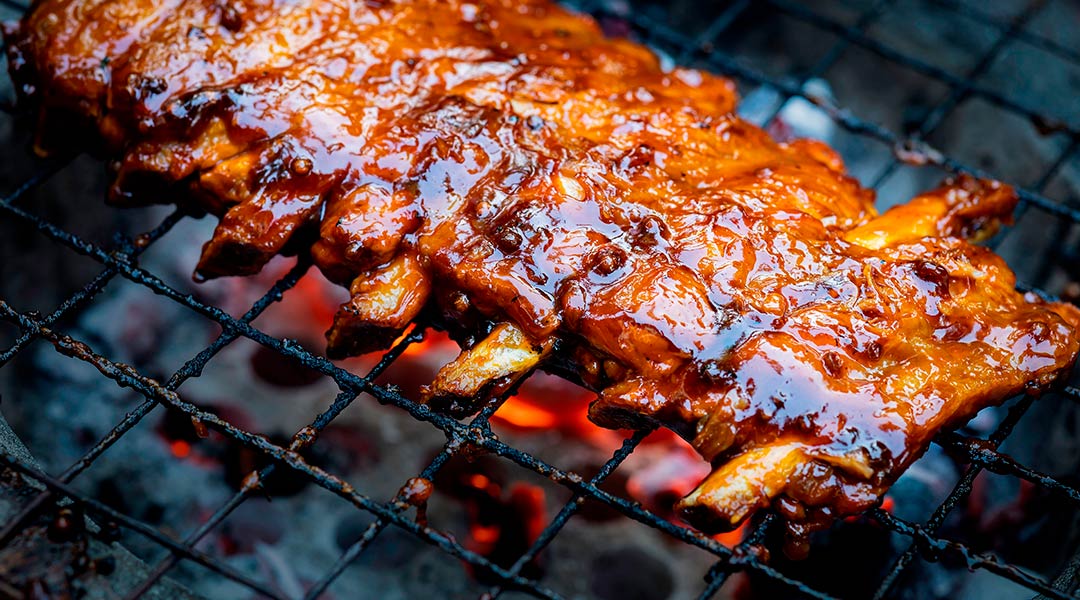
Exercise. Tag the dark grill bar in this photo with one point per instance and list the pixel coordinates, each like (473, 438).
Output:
(122, 260)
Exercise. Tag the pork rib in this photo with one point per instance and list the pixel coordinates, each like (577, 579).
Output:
(555, 193)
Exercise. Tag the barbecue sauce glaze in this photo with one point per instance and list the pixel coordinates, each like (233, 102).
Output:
(506, 166)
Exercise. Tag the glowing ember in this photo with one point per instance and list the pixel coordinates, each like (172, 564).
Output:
(312, 289)
(505, 517)
(503, 522)
(662, 472)
(529, 501)
(481, 482)
(180, 449)
(888, 504)
(732, 538)
(526, 416)
(548, 403)
(434, 341)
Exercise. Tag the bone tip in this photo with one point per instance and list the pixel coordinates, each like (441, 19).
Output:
(226, 257)
(450, 404)
(603, 414)
(708, 518)
(345, 342)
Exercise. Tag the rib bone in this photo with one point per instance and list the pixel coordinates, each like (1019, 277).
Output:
(741, 486)
(383, 304)
(488, 368)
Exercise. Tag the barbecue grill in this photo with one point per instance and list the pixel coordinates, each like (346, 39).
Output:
(690, 39)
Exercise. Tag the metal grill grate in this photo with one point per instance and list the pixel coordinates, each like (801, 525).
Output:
(121, 261)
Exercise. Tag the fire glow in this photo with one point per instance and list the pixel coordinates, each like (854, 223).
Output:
(504, 518)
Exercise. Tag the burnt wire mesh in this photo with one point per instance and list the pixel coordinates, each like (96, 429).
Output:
(700, 48)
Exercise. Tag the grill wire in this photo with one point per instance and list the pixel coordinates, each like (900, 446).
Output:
(120, 260)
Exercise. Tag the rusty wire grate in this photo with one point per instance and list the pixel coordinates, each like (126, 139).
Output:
(122, 261)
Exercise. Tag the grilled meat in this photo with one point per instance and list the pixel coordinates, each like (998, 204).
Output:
(563, 198)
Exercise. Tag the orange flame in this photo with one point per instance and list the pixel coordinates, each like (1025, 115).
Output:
(548, 403)
(433, 340)
(502, 525)
(520, 413)
(544, 403)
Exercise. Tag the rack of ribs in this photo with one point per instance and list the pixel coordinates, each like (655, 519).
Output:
(560, 198)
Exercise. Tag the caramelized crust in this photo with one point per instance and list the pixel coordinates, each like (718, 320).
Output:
(561, 194)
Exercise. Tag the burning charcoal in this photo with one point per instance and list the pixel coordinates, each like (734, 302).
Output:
(421, 362)
(393, 549)
(594, 510)
(169, 475)
(456, 479)
(598, 512)
(504, 518)
(351, 447)
(630, 573)
(179, 432)
(848, 561)
(241, 460)
(282, 571)
(1018, 521)
(924, 486)
(350, 528)
(662, 471)
(545, 403)
(502, 528)
(660, 482)
(115, 491)
(255, 522)
(275, 368)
